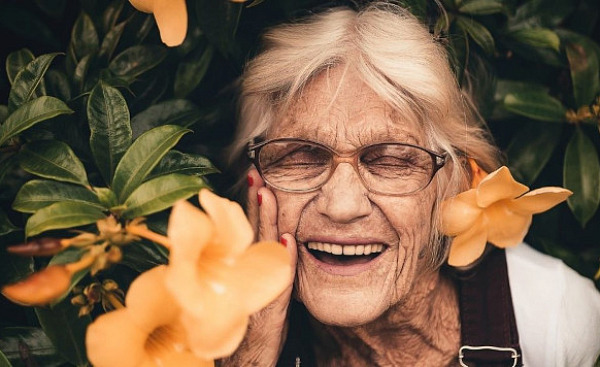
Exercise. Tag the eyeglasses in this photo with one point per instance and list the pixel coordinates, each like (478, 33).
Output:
(296, 165)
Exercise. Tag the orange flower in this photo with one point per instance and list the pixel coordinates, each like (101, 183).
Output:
(148, 332)
(216, 276)
(171, 18)
(498, 210)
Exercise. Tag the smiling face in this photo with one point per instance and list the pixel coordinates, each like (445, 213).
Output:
(338, 110)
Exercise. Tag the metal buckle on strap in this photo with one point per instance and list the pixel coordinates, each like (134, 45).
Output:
(513, 352)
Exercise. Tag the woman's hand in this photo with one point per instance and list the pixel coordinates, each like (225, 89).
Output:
(267, 328)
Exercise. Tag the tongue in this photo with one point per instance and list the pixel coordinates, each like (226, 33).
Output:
(342, 260)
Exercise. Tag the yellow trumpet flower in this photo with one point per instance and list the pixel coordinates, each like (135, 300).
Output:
(171, 17)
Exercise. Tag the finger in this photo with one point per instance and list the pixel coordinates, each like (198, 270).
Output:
(267, 215)
(254, 182)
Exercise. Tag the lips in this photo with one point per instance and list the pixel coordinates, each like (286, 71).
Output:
(343, 258)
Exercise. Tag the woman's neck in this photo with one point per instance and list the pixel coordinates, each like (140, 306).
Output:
(424, 330)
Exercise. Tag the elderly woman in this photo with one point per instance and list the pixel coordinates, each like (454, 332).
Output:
(358, 131)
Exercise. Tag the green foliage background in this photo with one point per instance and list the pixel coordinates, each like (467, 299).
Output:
(93, 106)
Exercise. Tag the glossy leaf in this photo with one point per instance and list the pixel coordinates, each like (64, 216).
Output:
(57, 85)
(160, 193)
(111, 40)
(191, 72)
(110, 129)
(84, 37)
(143, 257)
(37, 194)
(137, 60)
(16, 61)
(585, 72)
(478, 33)
(106, 196)
(28, 84)
(173, 112)
(537, 37)
(183, 163)
(544, 13)
(6, 225)
(66, 330)
(31, 113)
(62, 215)
(530, 150)
(53, 159)
(67, 256)
(4, 362)
(481, 7)
(535, 105)
(219, 21)
(8, 164)
(39, 347)
(111, 15)
(81, 71)
(3, 113)
(143, 155)
(582, 176)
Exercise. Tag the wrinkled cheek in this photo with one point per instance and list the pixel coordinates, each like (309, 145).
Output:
(289, 210)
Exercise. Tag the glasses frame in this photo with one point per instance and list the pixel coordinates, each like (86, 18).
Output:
(438, 160)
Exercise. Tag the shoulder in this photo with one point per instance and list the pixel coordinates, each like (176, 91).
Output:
(557, 310)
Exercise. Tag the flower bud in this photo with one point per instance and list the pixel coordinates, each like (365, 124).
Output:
(39, 247)
(39, 288)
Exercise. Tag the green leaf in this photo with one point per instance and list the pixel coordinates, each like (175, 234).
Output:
(183, 163)
(37, 194)
(585, 72)
(62, 215)
(530, 150)
(143, 256)
(173, 112)
(31, 113)
(143, 155)
(581, 174)
(111, 15)
(544, 13)
(110, 129)
(537, 37)
(16, 61)
(106, 196)
(57, 85)
(3, 113)
(535, 105)
(4, 361)
(6, 226)
(160, 193)
(14, 268)
(13, 341)
(137, 60)
(478, 33)
(481, 7)
(84, 38)
(191, 72)
(66, 330)
(219, 21)
(81, 71)
(53, 159)
(8, 164)
(111, 40)
(28, 83)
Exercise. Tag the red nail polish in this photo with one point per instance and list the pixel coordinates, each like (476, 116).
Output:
(250, 181)
(259, 199)
(283, 241)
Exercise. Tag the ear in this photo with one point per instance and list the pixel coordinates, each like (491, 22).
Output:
(477, 174)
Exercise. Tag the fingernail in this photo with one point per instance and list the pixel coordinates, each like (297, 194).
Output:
(283, 241)
(250, 181)
(259, 198)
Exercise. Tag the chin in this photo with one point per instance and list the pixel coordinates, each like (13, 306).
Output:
(345, 311)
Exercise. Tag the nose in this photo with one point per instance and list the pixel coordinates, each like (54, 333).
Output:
(344, 198)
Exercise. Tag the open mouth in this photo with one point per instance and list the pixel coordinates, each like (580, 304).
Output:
(344, 255)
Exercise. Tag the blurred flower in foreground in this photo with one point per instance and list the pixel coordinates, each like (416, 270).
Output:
(171, 18)
(148, 332)
(217, 276)
(498, 210)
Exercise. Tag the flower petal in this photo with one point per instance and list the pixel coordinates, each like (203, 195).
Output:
(498, 185)
(469, 245)
(218, 333)
(172, 19)
(150, 302)
(189, 231)
(147, 6)
(540, 200)
(505, 227)
(40, 287)
(174, 358)
(261, 274)
(234, 232)
(113, 340)
(459, 213)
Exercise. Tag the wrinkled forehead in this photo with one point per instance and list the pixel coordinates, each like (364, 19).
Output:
(339, 110)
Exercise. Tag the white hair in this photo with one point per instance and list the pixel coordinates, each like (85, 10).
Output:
(397, 57)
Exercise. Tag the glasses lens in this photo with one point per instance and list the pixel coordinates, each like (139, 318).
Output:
(294, 166)
(395, 168)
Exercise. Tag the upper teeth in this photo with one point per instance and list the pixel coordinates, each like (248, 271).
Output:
(346, 249)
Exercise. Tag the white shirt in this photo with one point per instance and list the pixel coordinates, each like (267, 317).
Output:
(557, 311)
